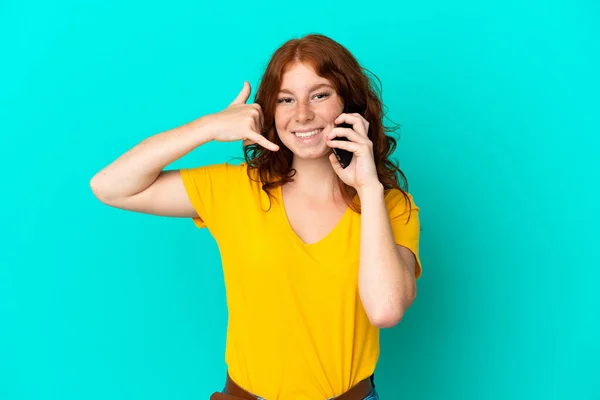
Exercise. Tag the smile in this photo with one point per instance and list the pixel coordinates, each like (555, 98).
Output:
(305, 135)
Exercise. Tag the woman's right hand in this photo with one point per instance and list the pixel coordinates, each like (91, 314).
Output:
(239, 121)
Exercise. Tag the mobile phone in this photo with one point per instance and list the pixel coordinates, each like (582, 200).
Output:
(344, 156)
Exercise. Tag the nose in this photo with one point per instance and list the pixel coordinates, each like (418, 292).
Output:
(303, 113)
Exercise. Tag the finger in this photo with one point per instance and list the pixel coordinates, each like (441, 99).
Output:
(339, 144)
(359, 124)
(337, 167)
(263, 141)
(247, 142)
(347, 133)
(261, 117)
(242, 97)
(257, 124)
(349, 117)
(262, 121)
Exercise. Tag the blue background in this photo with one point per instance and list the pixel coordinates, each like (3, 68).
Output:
(498, 103)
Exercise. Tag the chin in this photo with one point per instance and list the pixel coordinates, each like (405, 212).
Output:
(311, 155)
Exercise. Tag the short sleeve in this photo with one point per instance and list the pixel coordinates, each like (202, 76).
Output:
(404, 219)
(207, 188)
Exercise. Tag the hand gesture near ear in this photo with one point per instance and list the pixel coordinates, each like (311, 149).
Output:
(239, 121)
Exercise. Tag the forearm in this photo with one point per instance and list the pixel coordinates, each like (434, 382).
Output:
(139, 167)
(386, 285)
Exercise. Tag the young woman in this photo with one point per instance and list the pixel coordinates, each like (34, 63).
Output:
(317, 257)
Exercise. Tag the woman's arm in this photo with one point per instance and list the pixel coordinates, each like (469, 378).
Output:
(386, 278)
(136, 181)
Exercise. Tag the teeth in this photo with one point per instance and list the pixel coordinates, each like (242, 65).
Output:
(307, 134)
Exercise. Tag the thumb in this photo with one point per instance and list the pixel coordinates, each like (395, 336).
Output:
(337, 167)
(242, 97)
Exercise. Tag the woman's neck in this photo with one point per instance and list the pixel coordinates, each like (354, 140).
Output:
(315, 178)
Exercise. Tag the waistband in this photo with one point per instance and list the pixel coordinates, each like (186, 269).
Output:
(357, 392)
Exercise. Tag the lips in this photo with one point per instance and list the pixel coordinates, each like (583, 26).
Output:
(307, 133)
(305, 130)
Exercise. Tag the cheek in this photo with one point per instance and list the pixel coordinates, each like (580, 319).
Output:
(279, 124)
(331, 113)
(281, 120)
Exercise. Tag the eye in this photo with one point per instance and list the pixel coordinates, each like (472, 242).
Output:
(288, 100)
(324, 94)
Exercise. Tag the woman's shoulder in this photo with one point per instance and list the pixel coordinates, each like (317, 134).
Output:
(226, 169)
(395, 198)
(224, 174)
(238, 176)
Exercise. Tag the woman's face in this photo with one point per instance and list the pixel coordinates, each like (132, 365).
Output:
(306, 107)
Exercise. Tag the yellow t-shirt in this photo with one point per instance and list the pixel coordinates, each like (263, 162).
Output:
(296, 328)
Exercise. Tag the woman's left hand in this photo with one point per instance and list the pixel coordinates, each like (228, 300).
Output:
(361, 173)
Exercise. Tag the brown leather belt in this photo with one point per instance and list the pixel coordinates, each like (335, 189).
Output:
(358, 392)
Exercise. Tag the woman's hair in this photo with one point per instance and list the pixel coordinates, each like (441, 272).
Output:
(332, 61)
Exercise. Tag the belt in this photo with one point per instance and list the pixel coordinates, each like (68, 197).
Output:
(357, 392)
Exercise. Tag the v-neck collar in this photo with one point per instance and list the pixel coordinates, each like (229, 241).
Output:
(331, 234)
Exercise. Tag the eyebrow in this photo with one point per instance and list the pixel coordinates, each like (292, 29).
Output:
(315, 87)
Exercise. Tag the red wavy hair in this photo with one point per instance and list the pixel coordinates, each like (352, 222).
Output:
(332, 61)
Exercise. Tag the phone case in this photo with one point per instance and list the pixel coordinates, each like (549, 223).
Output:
(343, 156)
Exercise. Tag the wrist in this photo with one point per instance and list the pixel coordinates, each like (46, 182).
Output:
(374, 189)
(202, 128)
